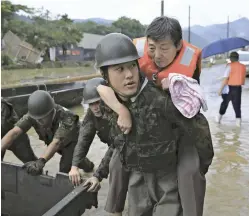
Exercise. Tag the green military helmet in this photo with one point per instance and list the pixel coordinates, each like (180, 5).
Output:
(115, 48)
(40, 104)
(90, 93)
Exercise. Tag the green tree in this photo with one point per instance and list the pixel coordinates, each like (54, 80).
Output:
(43, 32)
(95, 28)
(66, 19)
(131, 27)
(8, 10)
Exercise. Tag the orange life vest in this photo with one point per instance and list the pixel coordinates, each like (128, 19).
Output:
(237, 74)
(185, 62)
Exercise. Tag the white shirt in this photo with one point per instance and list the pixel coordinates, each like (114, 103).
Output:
(225, 90)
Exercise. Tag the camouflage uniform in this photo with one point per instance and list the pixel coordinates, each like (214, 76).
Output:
(65, 127)
(149, 152)
(89, 127)
(100, 125)
(21, 146)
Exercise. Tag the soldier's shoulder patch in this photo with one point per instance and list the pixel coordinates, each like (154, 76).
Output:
(70, 120)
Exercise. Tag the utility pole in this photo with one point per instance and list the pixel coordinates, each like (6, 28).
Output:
(162, 7)
(189, 32)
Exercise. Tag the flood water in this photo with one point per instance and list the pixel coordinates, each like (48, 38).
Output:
(228, 177)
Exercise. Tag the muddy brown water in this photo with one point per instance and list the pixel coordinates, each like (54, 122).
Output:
(228, 177)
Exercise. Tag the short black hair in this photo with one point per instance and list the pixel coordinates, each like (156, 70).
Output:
(164, 27)
(234, 56)
(104, 72)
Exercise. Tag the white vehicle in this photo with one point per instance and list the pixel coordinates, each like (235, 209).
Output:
(243, 59)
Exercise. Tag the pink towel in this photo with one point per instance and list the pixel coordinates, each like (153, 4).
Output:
(186, 94)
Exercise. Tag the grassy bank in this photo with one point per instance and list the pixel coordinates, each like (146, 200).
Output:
(12, 77)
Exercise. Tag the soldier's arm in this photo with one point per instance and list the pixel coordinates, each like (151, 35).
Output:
(10, 137)
(67, 128)
(22, 126)
(86, 136)
(103, 169)
(108, 96)
(52, 148)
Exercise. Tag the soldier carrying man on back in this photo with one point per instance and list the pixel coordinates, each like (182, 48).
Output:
(55, 125)
(162, 52)
(149, 151)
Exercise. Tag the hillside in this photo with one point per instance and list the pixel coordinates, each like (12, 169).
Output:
(200, 35)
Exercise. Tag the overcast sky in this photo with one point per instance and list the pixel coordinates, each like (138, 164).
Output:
(203, 12)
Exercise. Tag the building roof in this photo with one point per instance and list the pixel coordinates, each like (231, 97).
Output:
(90, 41)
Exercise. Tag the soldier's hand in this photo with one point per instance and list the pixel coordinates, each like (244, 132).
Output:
(124, 120)
(35, 167)
(74, 176)
(94, 184)
(165, 83)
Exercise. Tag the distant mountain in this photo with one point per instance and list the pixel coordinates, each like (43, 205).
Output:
(200, 35)
(237, 28)
(97, 20)
(195, 39)
(241, 27)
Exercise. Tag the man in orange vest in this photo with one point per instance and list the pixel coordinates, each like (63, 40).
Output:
(163, 51)
(234, 77)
